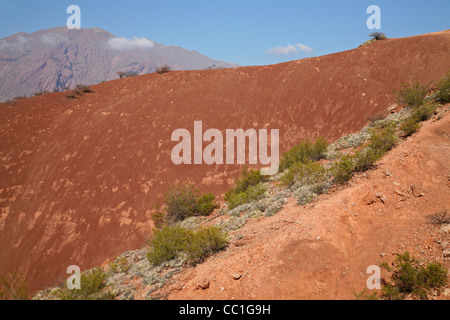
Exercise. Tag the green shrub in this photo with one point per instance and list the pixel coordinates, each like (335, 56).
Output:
(343, 169)
(122, 74)
(120, 265)
(409, 277)
(247, 179)
(411, 95)
(304, 151)
(250, 194)
(306, 173)
(247, 188)
(423, 113)
(409, 126)
(443, 87)
(163, 69)
(40, 93)
(93, 287)
(170, 242)
(13, 287)
(365, 159)
(383, 140)
(377, 35)
(184, 201)
(206, 204)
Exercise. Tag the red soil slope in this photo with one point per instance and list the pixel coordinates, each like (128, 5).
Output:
(78, 178)
(322, 250)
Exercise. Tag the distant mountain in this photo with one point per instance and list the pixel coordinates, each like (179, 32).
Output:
(58, 58)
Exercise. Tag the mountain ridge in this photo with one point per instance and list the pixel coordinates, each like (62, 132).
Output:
(88, 56)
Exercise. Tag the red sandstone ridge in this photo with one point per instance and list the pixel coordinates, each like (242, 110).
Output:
(79, 177)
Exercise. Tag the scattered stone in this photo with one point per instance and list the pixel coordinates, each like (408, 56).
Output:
(383, 254)
(446, 253)
(445, 228)
(236, 276)
(444, 245)
(368, 199)
(383, 199)
(203, 285)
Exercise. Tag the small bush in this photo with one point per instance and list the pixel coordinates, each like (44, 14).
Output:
(304, 151)
(79, 91)
(439, 218)
(250, 194)
(163, 69)
(40, 93)
(93, 285)
(409, 126)
(309, 173)
(13, 287)
(423, 113)
(247, 179)
(409, 277)
(411, 95)
(120, 265)
(170, 242)
(71, 96)
(247, 188)
(184, 201)
(206, 204)
(377, 35)
(365, 159)
(443, 87)
(343, 169)
(381, 141)
(122, 74)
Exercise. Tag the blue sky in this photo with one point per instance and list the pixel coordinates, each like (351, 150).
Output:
(239, 31)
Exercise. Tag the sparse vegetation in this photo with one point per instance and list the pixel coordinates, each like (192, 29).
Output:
(171, 242)
(120, 265)
(443, 89)
(304, 151)
(13, 287)
(122, 74)
(93, 287)
(247, 188)
(163, 69)
(250, 194)
(377, 36)
(409, 126)
(343, 169)
(440, 218)
(184, 201)
(411, 278)
(305, 173)
(40, 93)
(411, 95)
(79, 91)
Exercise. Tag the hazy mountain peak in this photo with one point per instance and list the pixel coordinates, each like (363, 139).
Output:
(57, 58)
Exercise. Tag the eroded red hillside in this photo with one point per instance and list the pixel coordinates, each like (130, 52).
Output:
(78, 178)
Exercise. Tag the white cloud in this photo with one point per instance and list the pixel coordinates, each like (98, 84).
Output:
(128, 44)
(53, 39)
(289, 49)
